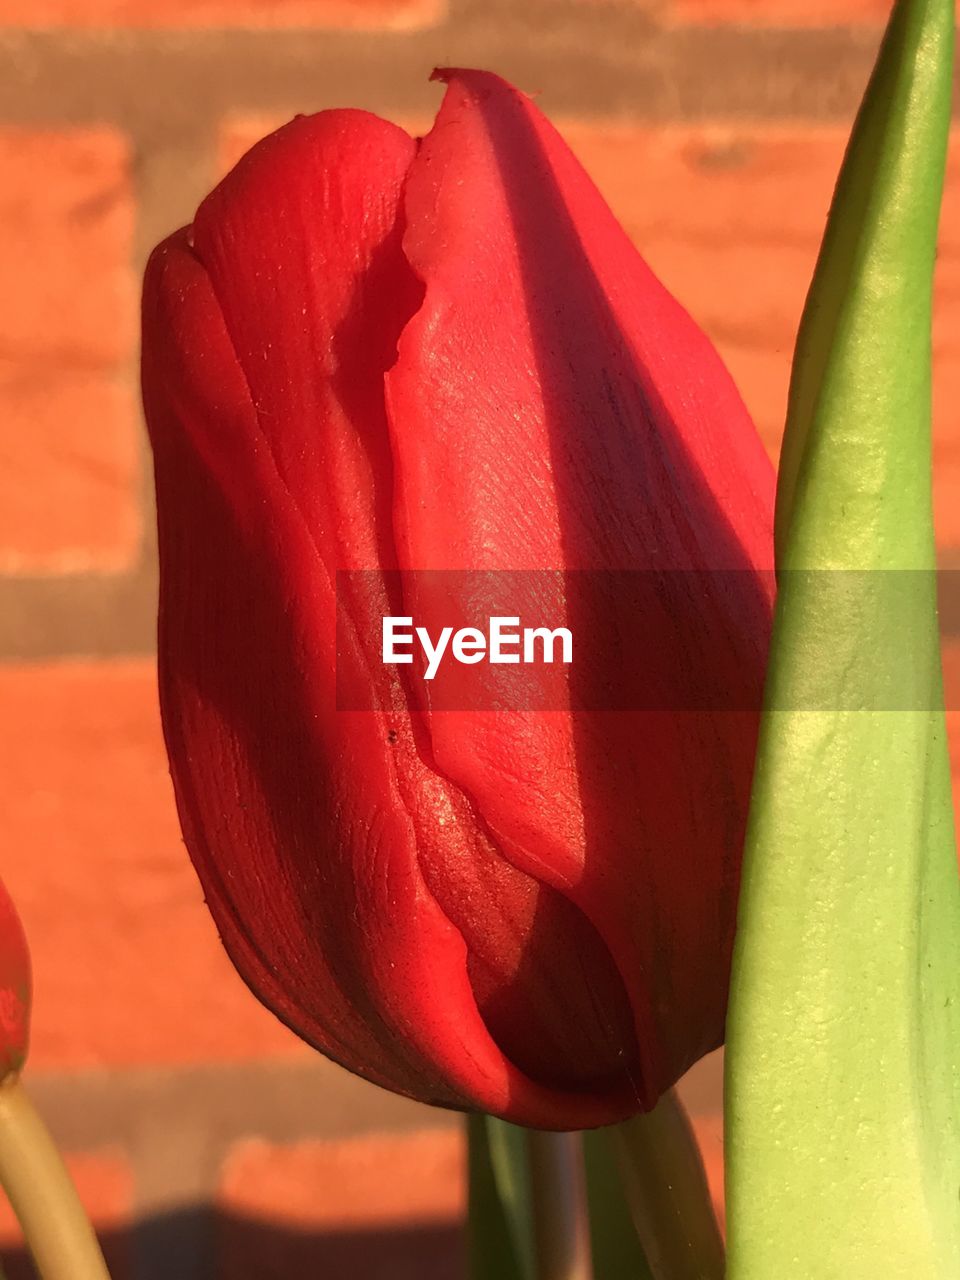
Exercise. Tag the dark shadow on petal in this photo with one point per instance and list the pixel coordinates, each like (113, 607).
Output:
(690, 774)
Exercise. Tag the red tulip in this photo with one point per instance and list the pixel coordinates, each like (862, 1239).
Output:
(14, 988)
(373, 353)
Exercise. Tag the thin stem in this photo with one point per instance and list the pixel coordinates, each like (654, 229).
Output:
(55, 1227)
(558, 1203)
(666, 1188)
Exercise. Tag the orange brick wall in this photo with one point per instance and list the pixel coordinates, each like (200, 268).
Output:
(206, 1140)
(781, 13)
(191, 14)
(70, 479)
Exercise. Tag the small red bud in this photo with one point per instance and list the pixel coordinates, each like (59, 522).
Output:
(14, 988)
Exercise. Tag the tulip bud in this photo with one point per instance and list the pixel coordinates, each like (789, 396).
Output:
(371, 358)
(14, 989)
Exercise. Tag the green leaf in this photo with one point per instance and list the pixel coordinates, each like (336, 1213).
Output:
(500, 1240)
(616, 1249)
(666, 1187)
(843, 1062)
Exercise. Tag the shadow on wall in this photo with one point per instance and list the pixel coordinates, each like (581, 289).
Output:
(202, 1244)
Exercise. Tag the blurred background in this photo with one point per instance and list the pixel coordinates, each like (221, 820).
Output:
(206, 1140)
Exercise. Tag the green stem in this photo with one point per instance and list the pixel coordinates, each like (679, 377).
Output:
(558, 1205)
(666, 1188)
(55, 1227)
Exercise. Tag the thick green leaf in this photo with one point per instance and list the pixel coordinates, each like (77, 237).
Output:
(617, 1254)
(843, 1086)
(500, 1241)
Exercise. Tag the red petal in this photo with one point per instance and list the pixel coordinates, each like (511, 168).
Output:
(572, 415)
(266, 334)
(14, 988)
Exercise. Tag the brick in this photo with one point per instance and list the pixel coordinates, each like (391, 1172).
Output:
(69, 469)
(67, 217)
(381, 1207)
(709, 1133)
(781, 13)
(69, 473)
(390, 14)
(128, 968)
(105, 1185)
(384, 1207)
(349, 1182)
